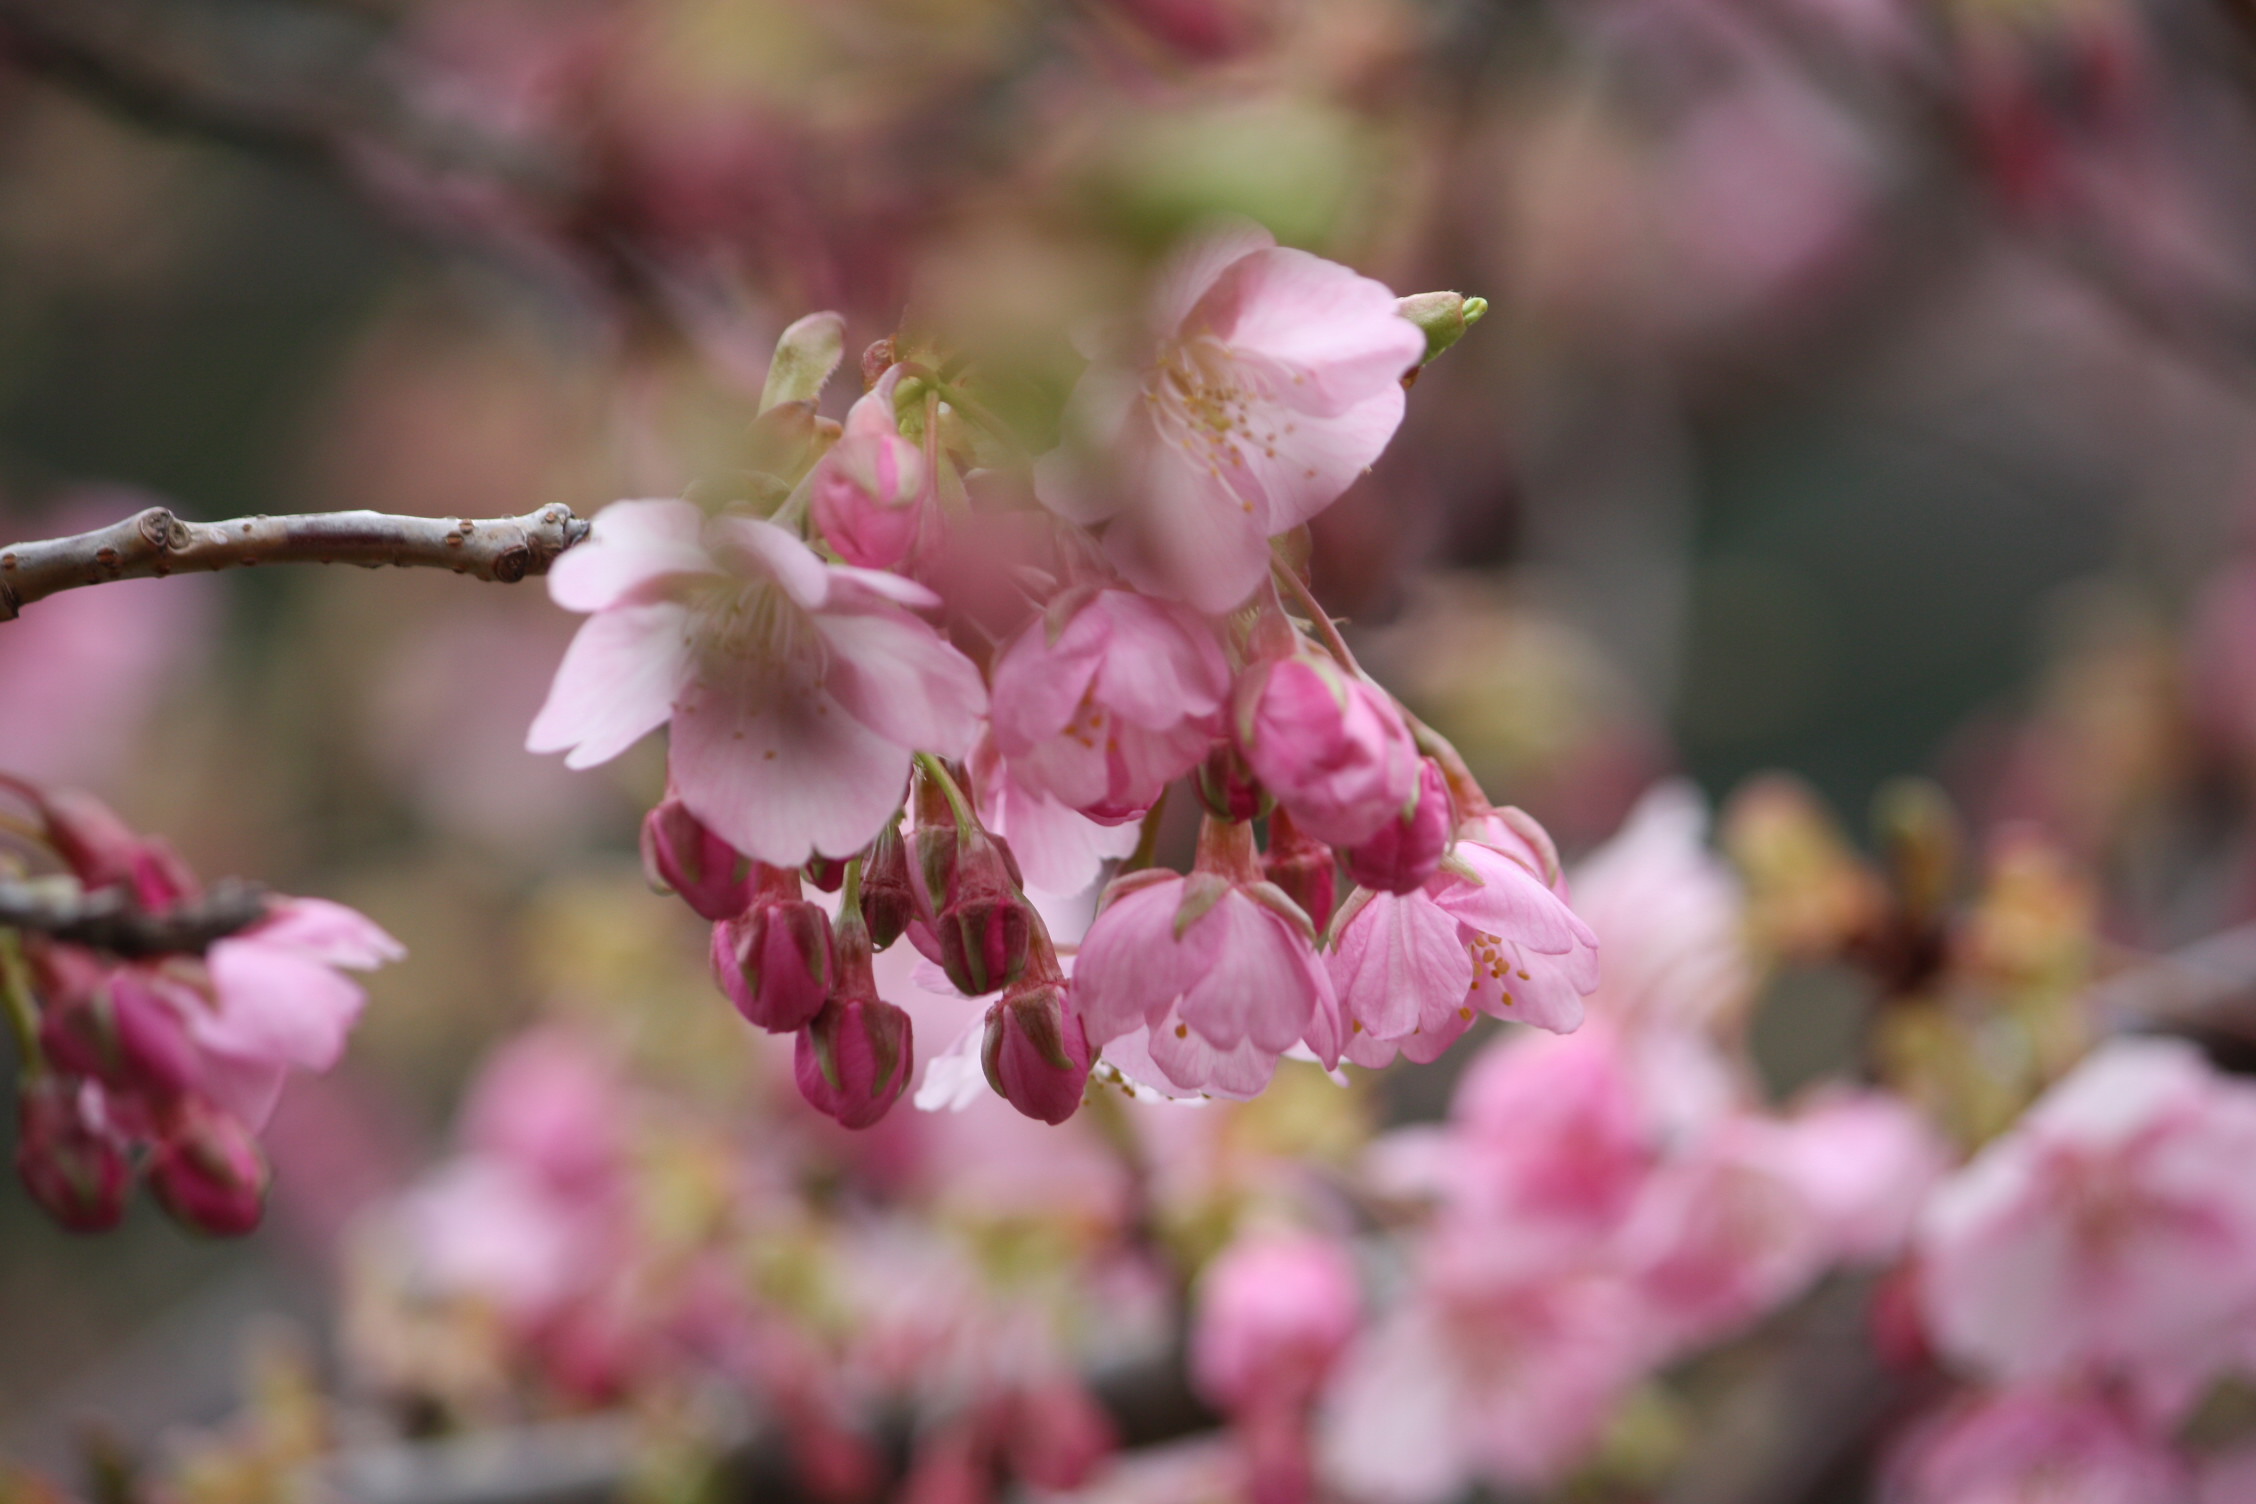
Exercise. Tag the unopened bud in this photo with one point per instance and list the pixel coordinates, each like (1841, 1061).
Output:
(826, 872)
(680, 855)
(888, 899)
(805, 355)
(1036, 1052)
(776, 961)
(984, 927)
(103, 852)
(208, 1174)
(869, 491)
(1227, 787)
(124, 1035)
(1303, 867)
(1443, 317)
(1408, 849)
(854, 1060)
(71, 1159)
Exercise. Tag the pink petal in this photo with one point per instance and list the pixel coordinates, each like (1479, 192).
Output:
(765, 551)
(1400, 962)
(1039, 685)
(1131, 968)
(328, 932)
(1194, 1063)
(1162, 664)
(1261, 981)
(1510, 902)
(616, 684)
(1192, 268)
(898, 677)
(1313, 460)
(781, 775)
(632, 547)
(276, 1005)
(1333, 332)
(1188, 536)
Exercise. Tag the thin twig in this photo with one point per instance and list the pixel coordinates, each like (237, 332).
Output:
(155, 543)
(109, 920)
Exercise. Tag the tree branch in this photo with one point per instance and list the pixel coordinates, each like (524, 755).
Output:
(110, 920)
(155, 543)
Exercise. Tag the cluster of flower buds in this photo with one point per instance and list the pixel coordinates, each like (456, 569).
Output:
(156, 1020)
(1052, 645)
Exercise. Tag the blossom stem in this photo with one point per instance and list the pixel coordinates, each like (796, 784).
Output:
(15, 996)
(1472, 799)
(1147, 836)
(1326, 628)
(937, 771)
(153, 543)
(850, 894)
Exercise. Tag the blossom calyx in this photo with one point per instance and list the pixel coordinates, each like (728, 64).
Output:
(70, 1158)
(1443, 317)
(777, 961)
(123, 1035)
(1409, 848)
(1036, 1052)
(681, 856)
(855, 1057)
(981, 921)
(208, 1174)
(1228, 789)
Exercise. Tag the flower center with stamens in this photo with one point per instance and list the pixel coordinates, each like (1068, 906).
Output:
(754, 633)
(1201, 407)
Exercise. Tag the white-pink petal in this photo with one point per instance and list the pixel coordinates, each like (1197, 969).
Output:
(616, 685)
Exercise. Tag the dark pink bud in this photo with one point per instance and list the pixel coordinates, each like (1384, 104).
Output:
(124, 1035)
(888, 901)
(984, 926)
(71, 1159)
(1036, 1052)
(208, 1174)
(679, 855)
(1228, 788)
(1303, 867)
(826, 872)
(1408, 849)
(855, 1059)
(777, 961)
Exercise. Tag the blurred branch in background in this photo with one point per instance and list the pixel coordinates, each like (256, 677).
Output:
(110, 919)
(154, 543)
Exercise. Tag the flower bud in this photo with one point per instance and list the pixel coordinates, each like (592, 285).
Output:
(983, 925)
(1303, 867)
(208, 1174)
(826, 872)
(71, 1159)
(1443, 317)
(679, 855)
(888, 901)
(776, 961)
(1328, 744)
(1408, 849)
(1228, 789)
(122, 1034)
(1036, 1053)
(103, 852)
(856, 1056)
(869, 492)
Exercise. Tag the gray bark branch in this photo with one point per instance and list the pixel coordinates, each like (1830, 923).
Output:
(109, 920)
(155, 543)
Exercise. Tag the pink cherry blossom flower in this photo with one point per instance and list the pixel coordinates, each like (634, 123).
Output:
(797, 690)
(2030, 1445)
(2112, 1232)
(873, 491)
(1273, 379)
(1106, 698)
(1220, 966)
(1274, 1309)
(1329, 744)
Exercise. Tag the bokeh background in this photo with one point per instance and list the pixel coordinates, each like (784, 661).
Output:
(1869, 388)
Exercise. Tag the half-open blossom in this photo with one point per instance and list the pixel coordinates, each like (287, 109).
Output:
(872, 492)
(1106, 697)
(1328, 744)
(1273, 378)
(1408, 848)
(2111, 1233)
(797, 690)
(1220, 966)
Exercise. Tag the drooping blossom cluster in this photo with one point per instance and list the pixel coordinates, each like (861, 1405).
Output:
(859, 699)
(1595, 1208)
(161, 1064)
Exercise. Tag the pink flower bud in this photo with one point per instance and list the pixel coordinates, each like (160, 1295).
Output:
(1228, 789)
(208, 1174)
(71, 1159)
(1408, 849)
(1303, 867)
(1329, 745)
(776, 961)
(680, 855)
(983, 926)
(103, 852)
(888, 902)
(856, 1057)
(869, 490)
(123, 1035)
(1272, 1312)
(1036, 1052)
(826, 872)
